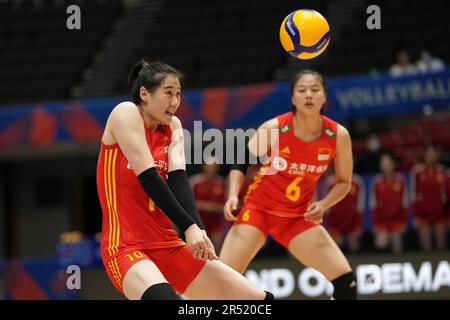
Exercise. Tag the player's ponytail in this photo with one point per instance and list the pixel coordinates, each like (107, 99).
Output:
(149, 75)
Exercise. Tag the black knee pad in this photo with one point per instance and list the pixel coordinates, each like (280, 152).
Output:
(345, 287)
(269, 296)
(160, 291)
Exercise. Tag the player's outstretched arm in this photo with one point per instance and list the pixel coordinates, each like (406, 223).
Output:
(179, 183)
(126, 125)
(260, 144)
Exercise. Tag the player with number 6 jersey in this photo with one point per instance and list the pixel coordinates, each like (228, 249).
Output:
(299, 166)
(300, 145)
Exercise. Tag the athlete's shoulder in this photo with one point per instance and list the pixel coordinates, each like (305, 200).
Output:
(418, 167)
(196, 178)
(440, 167)
(218, 179)
(176, 123)
(343, 139)
(399, 177)
(125, 111)
(357, 179)
(284, 118)
(270, 124)
(377, 178)
(342, 131)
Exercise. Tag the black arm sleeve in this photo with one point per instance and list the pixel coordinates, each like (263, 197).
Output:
(244, 159)
(181, 188)
(157, 189)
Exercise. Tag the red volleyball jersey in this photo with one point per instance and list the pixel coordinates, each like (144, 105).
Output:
(428, 190)
(208, 190)
(348, 211)
(388, 199)
(131, 220)
(298, 167)
(447, 188)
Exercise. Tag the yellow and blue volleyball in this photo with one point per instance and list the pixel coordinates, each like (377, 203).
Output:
(305, 34)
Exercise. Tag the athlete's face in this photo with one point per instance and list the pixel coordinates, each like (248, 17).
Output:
(431, 156)
(387, 165)
(308, 94)
(162, 103)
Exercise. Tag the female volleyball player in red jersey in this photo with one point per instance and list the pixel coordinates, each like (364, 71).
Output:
(141, 149)
(279, 202)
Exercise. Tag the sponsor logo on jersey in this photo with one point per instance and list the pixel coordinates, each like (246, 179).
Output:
(323, 154)
(285, 128)
(279, 163)
(329, 132)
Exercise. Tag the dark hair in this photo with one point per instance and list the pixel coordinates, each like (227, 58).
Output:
(389, 154)
(150, 75)
(300, 74)
(429, 146)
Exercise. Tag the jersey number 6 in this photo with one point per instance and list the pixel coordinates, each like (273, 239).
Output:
(293, 191)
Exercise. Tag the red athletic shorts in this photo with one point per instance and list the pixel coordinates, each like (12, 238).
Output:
(424, 222)
(393, 226)
(177, 265)
(282, 229)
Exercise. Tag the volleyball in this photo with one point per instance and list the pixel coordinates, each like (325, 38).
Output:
(305, 34)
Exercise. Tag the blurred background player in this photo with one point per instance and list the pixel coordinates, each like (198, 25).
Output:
(209, 192)
(278, 202)
(344, 221)
(389, 205)
(428, 192)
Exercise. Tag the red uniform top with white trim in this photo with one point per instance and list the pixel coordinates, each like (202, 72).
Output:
(428, 192)
(347, 214)
(298, 167)
(131, 220)
(388, 199)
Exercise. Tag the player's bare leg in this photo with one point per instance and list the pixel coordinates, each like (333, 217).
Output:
(140, 277)
(381, 239)
(217, 281)
(316, 249)
(241, 245)
(397, 242)
(425, 237)
(440, 231)
(354, 242)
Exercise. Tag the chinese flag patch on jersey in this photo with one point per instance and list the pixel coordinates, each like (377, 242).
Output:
(323, 154)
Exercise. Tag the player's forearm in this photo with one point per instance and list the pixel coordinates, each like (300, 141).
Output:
(179, 184)
(336, 194)
(158, 190)
(236, 179)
